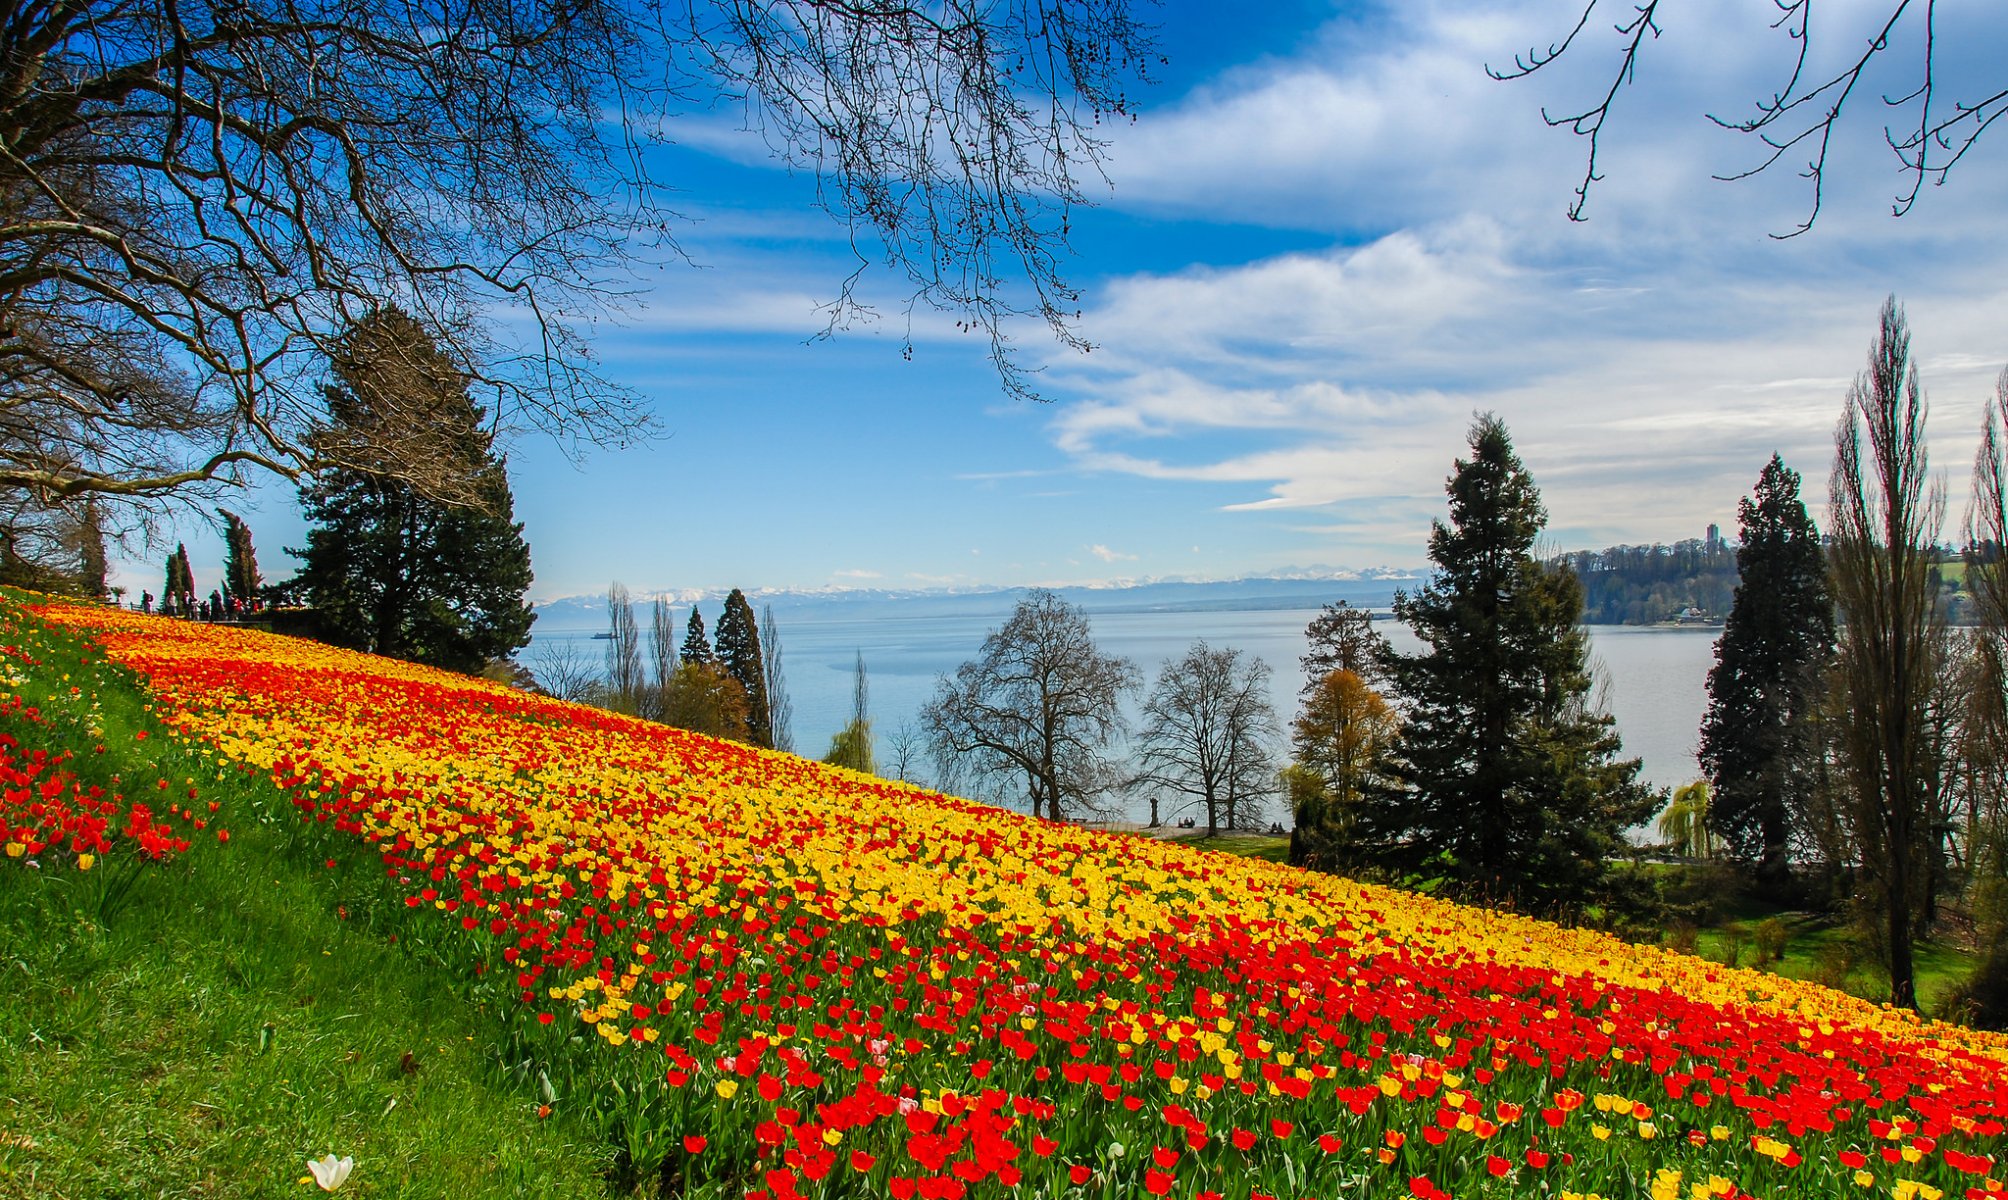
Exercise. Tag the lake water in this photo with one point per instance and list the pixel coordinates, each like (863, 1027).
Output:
(1653, 679)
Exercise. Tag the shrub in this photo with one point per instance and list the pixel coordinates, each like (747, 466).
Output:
(1770, 939)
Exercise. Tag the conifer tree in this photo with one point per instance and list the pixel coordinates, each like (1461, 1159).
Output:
(171, 585)
(178, 593)
(1505, 780)
(92, 566)
(696, 643)
(1775, 644)
(240, 569)
(388, 569)
(738, 648)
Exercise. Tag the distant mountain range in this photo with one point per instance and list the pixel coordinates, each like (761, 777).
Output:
(1304, 588)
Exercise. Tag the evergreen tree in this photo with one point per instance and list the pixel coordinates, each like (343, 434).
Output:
(177, 595)
(696, 643)
(170, 585)
(1505, 781)
(1768, 663)
(738, 648)
(240, 569)
(92, 567)
(389, 570)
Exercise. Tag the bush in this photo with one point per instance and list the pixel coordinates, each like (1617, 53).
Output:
(1770, 939)
(1682, 937)
(1982, 999)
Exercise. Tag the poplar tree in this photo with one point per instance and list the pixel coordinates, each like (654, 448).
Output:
(1504, 781)
(1775, 644)
(780, 709)
(738, 648)
(1886, 513)
(626, 682)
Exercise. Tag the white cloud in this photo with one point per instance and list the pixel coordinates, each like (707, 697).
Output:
(1108, 556)
(1647, 362)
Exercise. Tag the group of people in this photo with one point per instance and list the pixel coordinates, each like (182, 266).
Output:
(1275, 827)
(216, 608)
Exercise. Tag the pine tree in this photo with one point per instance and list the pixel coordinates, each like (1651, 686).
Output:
(1505, 780)
(738, 647)
(241, 580)
(388, 569)
(1775, 644)
(696, 643)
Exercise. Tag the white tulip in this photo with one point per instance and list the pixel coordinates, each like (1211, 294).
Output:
(331, 1172)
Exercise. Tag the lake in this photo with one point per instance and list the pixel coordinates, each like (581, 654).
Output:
(1653, 679)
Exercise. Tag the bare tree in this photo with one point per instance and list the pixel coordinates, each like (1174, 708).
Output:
(1933, 123)
(197, 196)
(626, 683)
(1208, 733)
(662, 644)
(564, 670)
(780, 709)
(1885, 518)
(904, 749)
(1039, 703)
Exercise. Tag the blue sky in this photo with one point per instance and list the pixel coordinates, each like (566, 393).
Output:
(1326, 241)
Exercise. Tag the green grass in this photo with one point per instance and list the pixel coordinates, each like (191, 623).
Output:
(208, 1030)
(1821, 948)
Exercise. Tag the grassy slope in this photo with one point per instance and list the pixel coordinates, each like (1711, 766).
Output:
(222, 1022)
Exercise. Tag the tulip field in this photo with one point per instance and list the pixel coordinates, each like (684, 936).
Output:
(765, 977)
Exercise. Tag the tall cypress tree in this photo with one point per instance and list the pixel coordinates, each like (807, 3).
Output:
(178, 593)
(240, 570)
(1506, 781)
(1778, 638)
(92, 566)
(738, 646)
(389, 569)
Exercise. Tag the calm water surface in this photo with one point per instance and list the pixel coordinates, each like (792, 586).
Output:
(1654, 679)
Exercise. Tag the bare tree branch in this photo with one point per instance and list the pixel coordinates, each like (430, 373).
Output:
(1802, 115)
(198, 196)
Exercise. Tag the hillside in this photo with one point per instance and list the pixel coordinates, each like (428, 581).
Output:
(745, 974)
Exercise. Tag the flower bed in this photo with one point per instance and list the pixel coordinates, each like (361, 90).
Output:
(804, 981)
